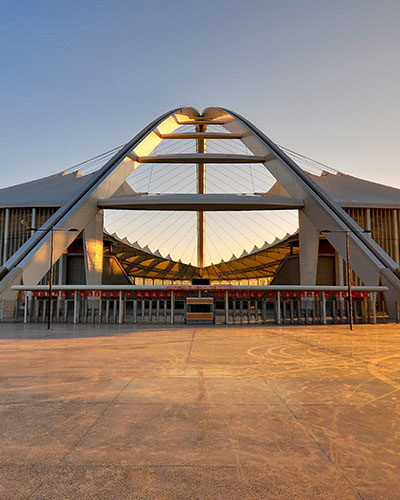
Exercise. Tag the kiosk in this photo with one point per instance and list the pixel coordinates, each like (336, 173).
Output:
(199, 310)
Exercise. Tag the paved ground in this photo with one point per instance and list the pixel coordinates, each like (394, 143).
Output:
(199, 413)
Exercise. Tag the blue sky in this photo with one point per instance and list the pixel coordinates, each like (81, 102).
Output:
(79, 78)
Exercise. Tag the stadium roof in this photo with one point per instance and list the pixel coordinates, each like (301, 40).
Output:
(349, 191)
(140, 262)
(54, 190)
(51, 191)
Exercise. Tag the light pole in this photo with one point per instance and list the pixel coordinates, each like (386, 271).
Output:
(348, 268)
(51, 231)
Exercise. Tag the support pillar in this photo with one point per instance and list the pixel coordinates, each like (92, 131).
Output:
(172, 306)
(309, 247)
(226, 297)
(278, 307)
(6, 235)
(93, 249)
(201, 189)
(339, 263)
(395, 232)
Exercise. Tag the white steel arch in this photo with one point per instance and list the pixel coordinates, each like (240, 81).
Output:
(320, 211)
(317, 210)
(29, 264)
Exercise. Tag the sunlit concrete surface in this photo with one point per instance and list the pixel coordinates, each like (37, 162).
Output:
(107, 412)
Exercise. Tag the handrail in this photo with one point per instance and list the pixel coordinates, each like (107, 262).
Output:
(306, 288)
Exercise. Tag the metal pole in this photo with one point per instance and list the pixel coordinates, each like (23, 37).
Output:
(226, 307)
(278, 307)
(201, 189)
(172, 306)
(323, 308)
(121, 307)
(76, 305)
(26, 307)
(349, 281)
(51, 279)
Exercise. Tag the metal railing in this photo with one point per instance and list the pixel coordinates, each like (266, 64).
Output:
(166, 304)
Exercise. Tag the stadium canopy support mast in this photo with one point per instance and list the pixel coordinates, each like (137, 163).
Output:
(201, 189)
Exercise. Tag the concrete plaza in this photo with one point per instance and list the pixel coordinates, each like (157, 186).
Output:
(120, 413)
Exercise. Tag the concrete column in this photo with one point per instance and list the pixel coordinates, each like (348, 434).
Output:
(93, 249)
(62, 269)
(395, 233)
(309, 246)
(339, 263)
(6, 235)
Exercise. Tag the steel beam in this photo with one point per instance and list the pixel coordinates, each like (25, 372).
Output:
(206, 202)
(201, 158)
(201, 135)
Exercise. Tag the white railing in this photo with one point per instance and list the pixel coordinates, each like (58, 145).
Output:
(279, 304)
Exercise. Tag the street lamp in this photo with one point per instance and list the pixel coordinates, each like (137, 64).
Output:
(51, 231)
(346, 231)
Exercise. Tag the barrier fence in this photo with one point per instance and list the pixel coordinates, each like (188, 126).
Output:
(230, 305)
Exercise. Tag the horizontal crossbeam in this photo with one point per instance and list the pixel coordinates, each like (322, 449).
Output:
(203, 202)
(201, 158)
(201, 122)
(201, 135)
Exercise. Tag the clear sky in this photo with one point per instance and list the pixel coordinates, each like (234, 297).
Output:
(321, 77)
(80, 77)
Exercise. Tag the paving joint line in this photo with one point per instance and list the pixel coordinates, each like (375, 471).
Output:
(313, 439)
(30, 495)
(189, 353)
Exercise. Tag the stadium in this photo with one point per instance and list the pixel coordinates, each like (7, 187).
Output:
(199, 218)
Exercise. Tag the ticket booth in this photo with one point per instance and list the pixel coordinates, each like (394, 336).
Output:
(199, 310)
